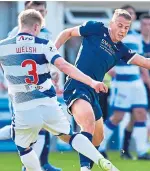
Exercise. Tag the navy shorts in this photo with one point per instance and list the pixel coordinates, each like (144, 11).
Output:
(82, 92)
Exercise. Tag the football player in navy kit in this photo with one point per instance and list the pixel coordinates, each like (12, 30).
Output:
(101, 49)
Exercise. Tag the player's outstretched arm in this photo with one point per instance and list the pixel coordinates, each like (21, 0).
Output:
(145, 76)
(66, 35)
(140, 60)
(76, 74)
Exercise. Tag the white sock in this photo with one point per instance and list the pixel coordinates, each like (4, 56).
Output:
(39, 145)
(31, 161)
(107, 133)
(5, 133)
(85, 169)
(140, 136)
(86, 148)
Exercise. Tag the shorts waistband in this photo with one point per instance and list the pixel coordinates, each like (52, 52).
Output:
(120, 77)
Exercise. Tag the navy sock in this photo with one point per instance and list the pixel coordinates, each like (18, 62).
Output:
(85, 161)
(127, 138)
(45, 152)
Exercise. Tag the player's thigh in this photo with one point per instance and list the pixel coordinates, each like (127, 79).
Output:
(117, 116)
(99, 132)
(83, 114)
(26, 126)
(55, 120)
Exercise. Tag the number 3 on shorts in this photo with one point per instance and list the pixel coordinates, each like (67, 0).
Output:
(32, 72)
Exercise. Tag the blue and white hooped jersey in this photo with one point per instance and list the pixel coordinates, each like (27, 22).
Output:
(126, 72)
(25, 60)
(146, 49)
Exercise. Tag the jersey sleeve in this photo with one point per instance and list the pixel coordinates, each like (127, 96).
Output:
(51, 52)
(89, 28)
(127, 53)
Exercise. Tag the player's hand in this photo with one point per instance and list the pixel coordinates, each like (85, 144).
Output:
(99, 86)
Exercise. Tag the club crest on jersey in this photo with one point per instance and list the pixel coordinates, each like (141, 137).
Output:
(130, 51)
(52, 49)
(105, 35)
(25, 38)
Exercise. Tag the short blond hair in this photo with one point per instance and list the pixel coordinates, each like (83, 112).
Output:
(29, 18)
(122, 13)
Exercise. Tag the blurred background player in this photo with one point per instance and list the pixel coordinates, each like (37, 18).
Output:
(103, 97)
(127, 87)
(42, 146)
(145, 35)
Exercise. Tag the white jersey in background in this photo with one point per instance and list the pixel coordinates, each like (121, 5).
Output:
(25, 60)
(127, 85)
(125, 72)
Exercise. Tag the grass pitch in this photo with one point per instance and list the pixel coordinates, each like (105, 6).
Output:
(68, 161)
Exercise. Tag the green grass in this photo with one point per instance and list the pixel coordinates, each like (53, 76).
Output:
(69, 162)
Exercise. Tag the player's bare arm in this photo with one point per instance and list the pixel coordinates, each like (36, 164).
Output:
(140, 60)
(112, 72)
(74, 73)
(66, 35)
(145, 76)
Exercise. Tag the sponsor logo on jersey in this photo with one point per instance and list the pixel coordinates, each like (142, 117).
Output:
(25, 38)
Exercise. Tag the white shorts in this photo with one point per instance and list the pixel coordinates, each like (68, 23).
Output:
(126, 96)
(28, 123)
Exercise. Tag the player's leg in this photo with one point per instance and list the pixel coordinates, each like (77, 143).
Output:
(140, 114)
(59, 125)
(45, 152)
(120, 103)
(98, 136)
(5, 132)
(41, 148)
(26, 126)
(86, 120)
(125, 153)
(140, 133)
(86, 148)
(109, 127)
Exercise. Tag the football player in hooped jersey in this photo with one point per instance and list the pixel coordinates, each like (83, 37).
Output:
(42, 146)
(25, 59)
(101, 49)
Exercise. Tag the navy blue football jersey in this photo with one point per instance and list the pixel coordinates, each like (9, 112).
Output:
(98, 53)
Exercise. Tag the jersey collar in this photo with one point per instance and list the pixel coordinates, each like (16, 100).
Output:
(23, 33)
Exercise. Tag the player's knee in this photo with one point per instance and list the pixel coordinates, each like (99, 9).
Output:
(131, 123)
(88, 126)
(65, 138)
(22, 151)
(98, 139)
(117, 117)
(140, 115)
